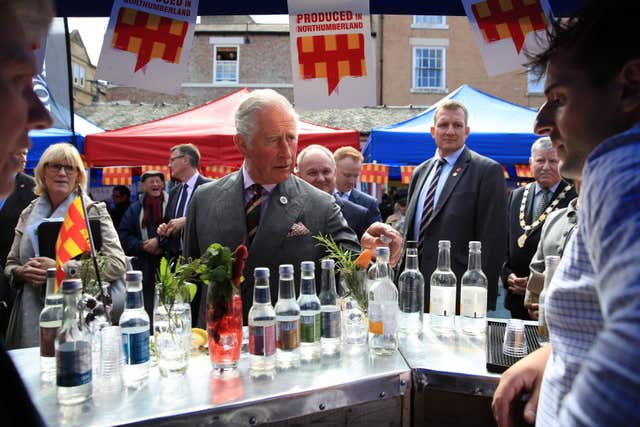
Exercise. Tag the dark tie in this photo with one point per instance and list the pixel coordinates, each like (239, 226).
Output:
(183, 201)
(252, 209)
(427, 208)
(544, 201)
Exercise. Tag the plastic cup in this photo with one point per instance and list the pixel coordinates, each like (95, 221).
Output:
(515, 340)
(111, 357)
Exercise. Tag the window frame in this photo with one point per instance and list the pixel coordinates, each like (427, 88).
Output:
(215, 64)
(533, 87)
(414, 87)
(439, 26)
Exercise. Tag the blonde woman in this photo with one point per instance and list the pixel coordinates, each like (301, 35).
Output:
(58, 173)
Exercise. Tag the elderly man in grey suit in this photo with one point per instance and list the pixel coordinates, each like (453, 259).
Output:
(458, 195)
(289, 210)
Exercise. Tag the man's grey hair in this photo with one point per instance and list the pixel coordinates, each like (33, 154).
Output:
(541, 144)
(316, 147)
(246, 118)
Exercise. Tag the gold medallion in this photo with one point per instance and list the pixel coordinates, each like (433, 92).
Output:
(521, 240)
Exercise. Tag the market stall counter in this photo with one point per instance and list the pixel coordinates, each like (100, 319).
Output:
(354, 389)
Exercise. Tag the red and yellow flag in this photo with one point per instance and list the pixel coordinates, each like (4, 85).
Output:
(374, 173)
(73, 238)
(405, 173)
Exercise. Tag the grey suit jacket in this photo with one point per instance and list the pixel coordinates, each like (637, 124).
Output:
(471, 206)
(216, 215)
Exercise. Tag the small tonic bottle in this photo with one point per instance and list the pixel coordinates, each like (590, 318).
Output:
(50, 322)
(550, 266)
(411, 290)
(473, 293)
(73, 349)
(383, 308)
(310, 324)
(134, 325)
(330, 311)
(262, 325)
(287, 320)
(442, 300)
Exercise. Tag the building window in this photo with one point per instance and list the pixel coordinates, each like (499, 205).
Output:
(225, 64)
(429, 21)
(78, 75)
(428, 68)
(535, 84)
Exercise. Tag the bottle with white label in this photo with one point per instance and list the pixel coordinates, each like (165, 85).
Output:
(442, 299)
(50, 322)
(329, 309)
(411, 290)
(287, 320)
(134, 325)
(73, 349)
(473, 293)
(262, 325)
(383, 308)
(310, 323)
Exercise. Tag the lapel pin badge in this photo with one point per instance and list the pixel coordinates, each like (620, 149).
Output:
(457, 171)
(283, 200)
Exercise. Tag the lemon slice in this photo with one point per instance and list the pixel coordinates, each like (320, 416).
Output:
(198, 338)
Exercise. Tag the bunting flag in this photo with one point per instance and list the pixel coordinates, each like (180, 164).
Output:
(523, 171)
(120, 175)
(160, 168)
(218, 171)
(507, 29)
(331, 57)
(374, 173)
(405, 174)
(73, 238)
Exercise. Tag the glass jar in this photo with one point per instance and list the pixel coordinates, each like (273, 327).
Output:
(172, 336)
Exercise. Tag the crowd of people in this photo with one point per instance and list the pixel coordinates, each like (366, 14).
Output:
(590, 124)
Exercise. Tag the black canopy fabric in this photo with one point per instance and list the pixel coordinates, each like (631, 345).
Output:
(75, 8)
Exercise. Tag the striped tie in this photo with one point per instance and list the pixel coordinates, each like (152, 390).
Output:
(427, 208)
(252, 209)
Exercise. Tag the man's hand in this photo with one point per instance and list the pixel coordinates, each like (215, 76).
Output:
(173, 226)
(517, 285)
(152, 246)
(533, 311)
(373, 238)
(34, 271)
(525, 376)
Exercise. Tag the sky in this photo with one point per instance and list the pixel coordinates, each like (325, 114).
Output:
(92, 31)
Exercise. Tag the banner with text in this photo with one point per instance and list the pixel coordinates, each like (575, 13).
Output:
(332, 55)
(507, 29)
(147, 44)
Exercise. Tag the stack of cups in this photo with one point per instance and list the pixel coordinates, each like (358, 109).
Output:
(111, 358)
(515, 340)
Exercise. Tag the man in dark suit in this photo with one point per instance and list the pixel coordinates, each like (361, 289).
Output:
(464, 199)
(10, 209)
(317, 166)
(263, 205)
(527, 209)
(348, 167)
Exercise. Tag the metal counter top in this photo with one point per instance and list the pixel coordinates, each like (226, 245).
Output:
(455, 363)
(202, 397)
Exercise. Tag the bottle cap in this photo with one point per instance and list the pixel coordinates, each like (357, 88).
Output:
(412, 244)
(133, 276)
(261, 273)
(382, 251)
(51, 273)
(444, 244)
(70, 286)
(474, 245)
(327, 263)
(285, 270)
(307, 266)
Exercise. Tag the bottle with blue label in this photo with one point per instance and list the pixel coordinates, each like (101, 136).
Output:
(310, 323)
(287, 320)
(329, 309)
(50, 322)
(262, 325)
(134, 324)
(73, 349)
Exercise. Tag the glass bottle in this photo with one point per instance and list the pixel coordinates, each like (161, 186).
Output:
(550, 265)
(287, 320)
(50, 322)
(310, 324)
(73, 349)
(473, 293)
(383, 308)
(134, 325)
(411, 290)
(262, 325)
(330, 311)
(442, 300)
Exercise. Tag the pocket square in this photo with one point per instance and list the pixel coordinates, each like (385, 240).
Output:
(298, 229)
